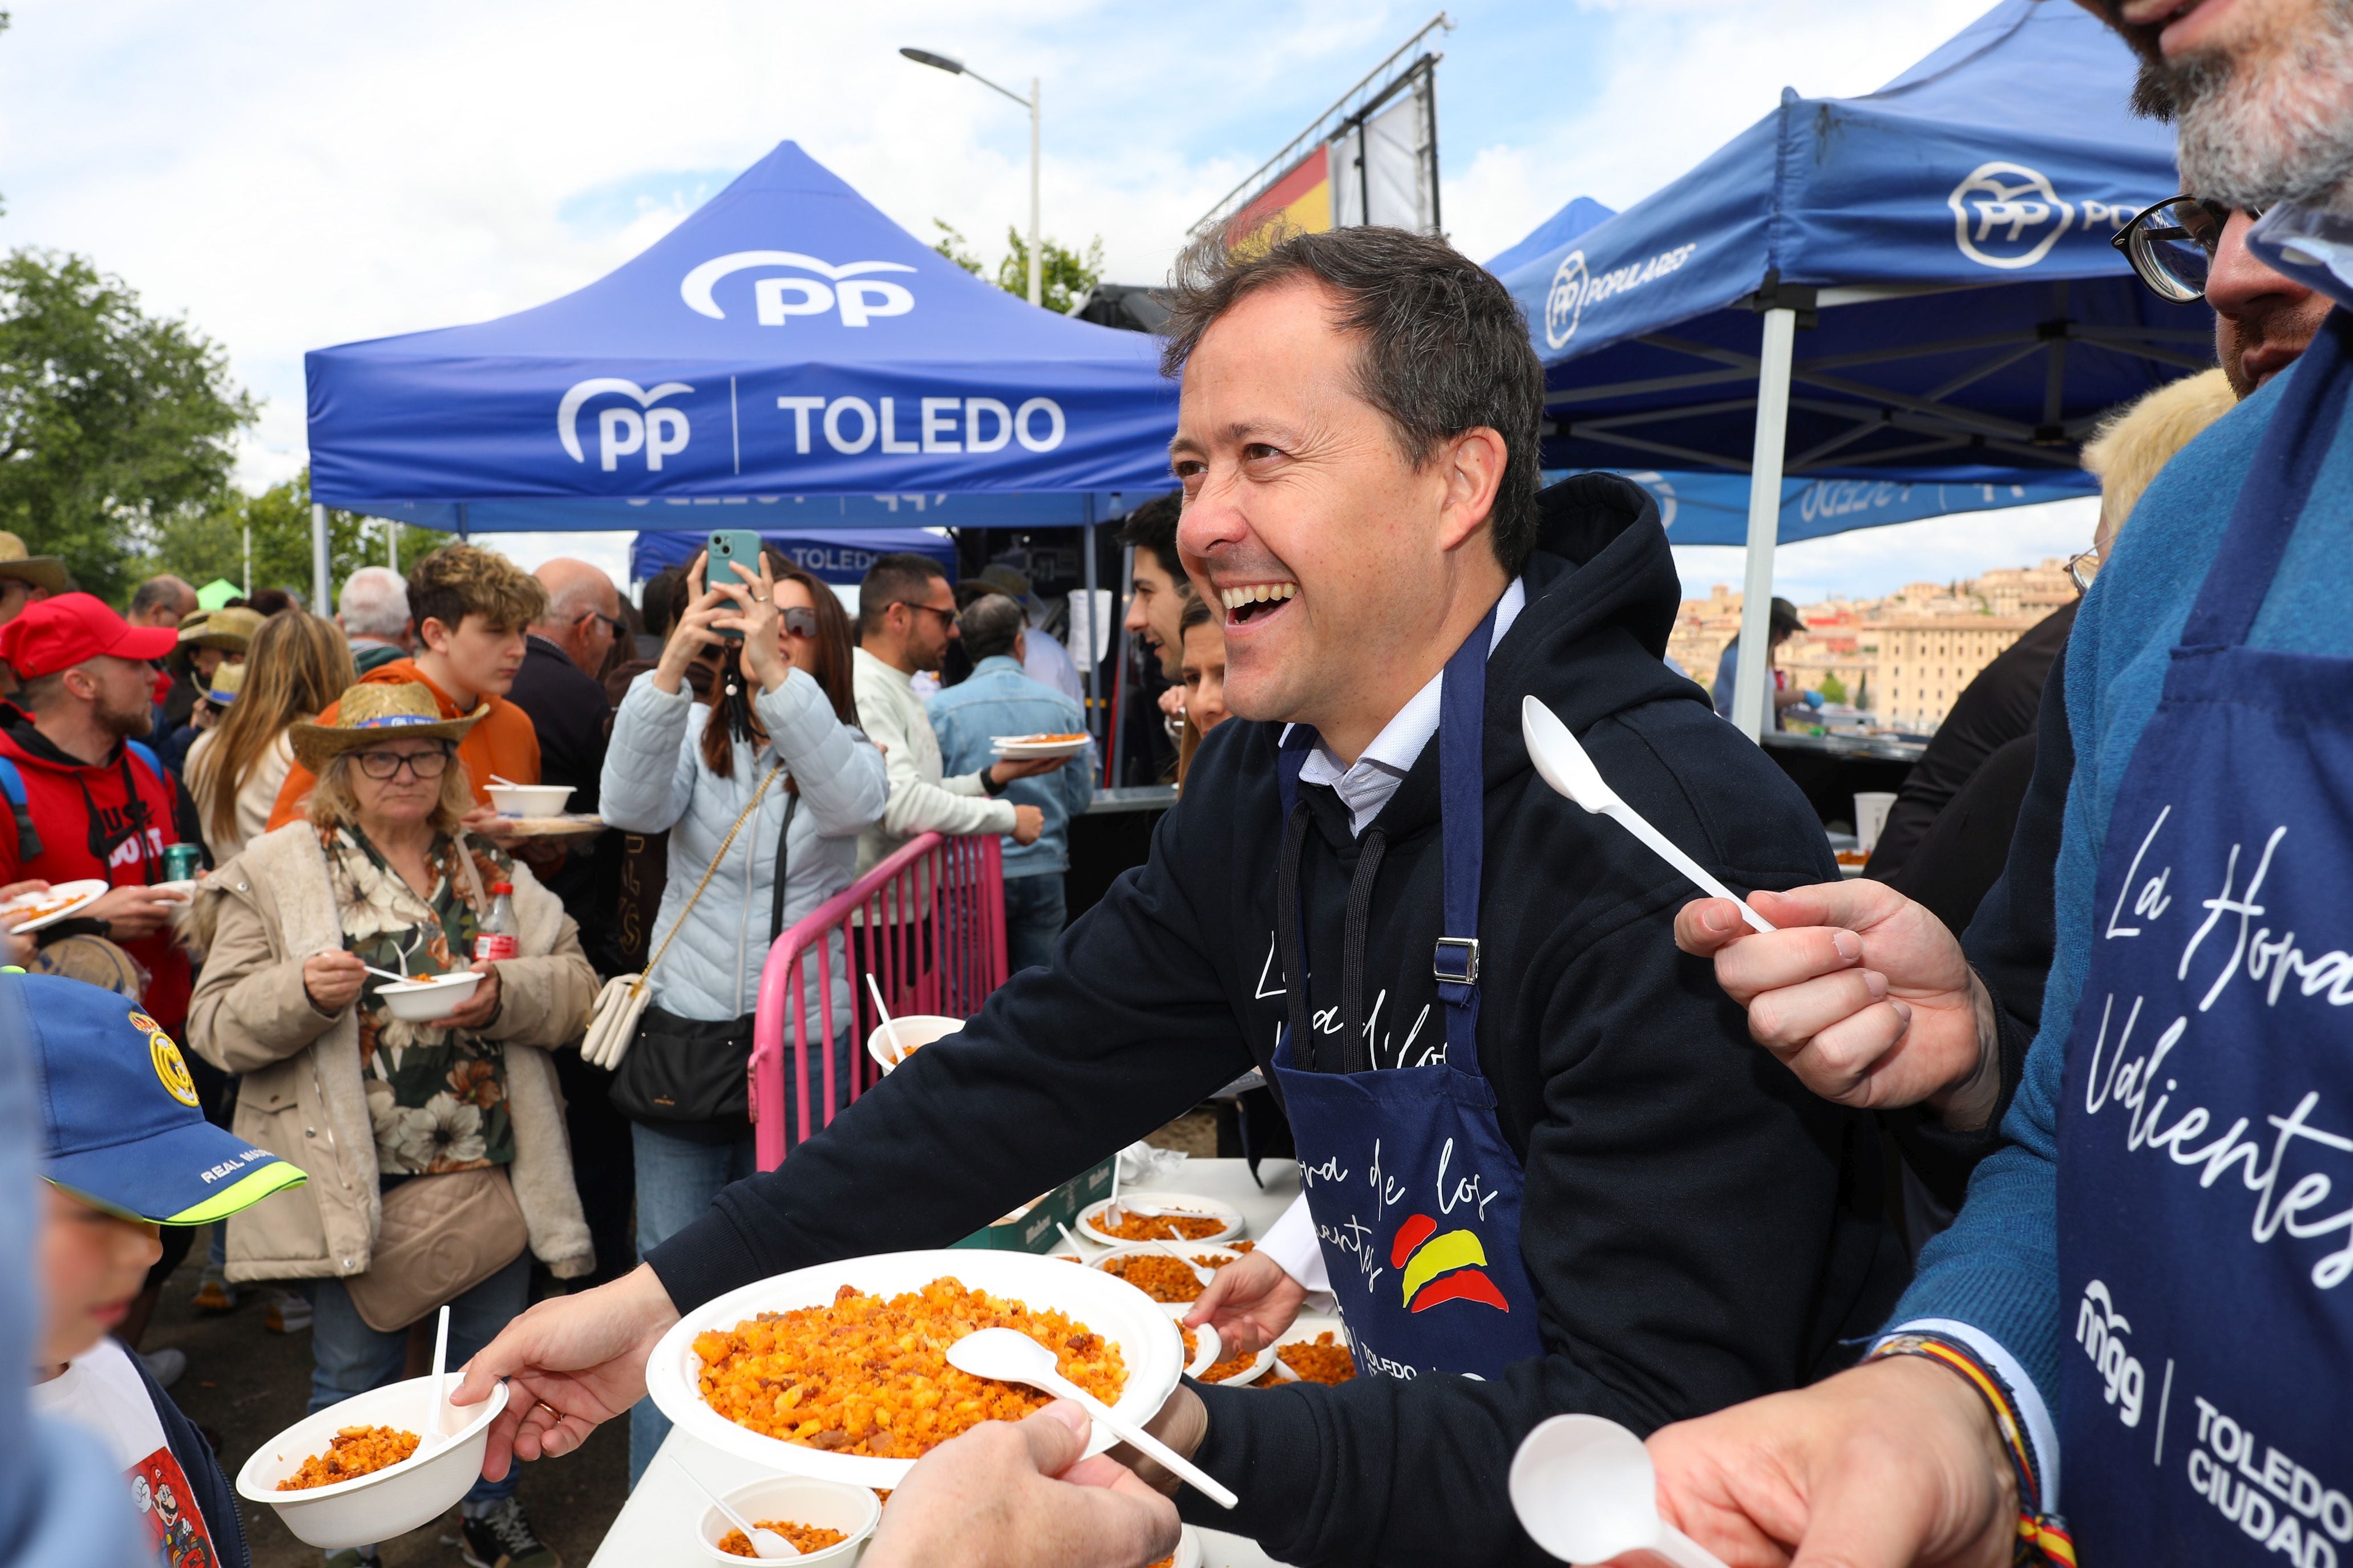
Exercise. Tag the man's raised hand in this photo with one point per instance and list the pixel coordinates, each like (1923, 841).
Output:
(570, 1363)
(1861, 992)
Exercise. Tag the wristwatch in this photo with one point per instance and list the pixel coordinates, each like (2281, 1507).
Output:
(989, 784)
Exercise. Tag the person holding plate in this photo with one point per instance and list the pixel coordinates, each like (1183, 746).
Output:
(1545, 1170)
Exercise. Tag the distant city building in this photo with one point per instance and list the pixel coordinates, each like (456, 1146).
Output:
(1906, 657)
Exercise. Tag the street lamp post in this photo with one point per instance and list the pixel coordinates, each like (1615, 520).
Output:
(957, 67)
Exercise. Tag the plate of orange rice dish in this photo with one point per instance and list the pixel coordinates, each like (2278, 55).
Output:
(839, 1372)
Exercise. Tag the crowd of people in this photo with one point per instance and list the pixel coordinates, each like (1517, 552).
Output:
(2117, 1059)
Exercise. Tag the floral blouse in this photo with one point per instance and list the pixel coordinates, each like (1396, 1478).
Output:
(436, 1097)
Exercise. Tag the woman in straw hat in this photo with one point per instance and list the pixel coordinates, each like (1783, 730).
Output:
(298, 663)
(457, 1120)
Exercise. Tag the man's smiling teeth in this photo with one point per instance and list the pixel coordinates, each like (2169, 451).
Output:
(1256, 593)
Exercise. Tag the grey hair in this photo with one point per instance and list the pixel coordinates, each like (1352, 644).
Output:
(992, 624)
(374, 603)
(1444, 348)
(159, 591)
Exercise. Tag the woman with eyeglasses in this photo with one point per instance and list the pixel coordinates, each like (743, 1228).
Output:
(764, 792)
(438, 1161)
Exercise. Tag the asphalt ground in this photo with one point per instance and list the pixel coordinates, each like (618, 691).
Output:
(245, 1385)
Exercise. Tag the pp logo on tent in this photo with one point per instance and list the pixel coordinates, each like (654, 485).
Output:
(775, 300)
(1565, 302)
(2007, 215)
(656, 432)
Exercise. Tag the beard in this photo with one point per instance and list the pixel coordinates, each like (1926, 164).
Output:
(126, 723)
(2271, 127)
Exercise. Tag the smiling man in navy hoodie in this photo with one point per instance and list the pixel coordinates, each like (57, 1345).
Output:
(1541, 1150)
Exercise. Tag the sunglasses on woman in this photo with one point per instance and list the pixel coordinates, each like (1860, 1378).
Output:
(2172, 245)
(799, 622)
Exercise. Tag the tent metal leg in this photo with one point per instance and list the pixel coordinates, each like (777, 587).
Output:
(1750, 701)
(322, 602)
(1094, 666)
(1116, 773)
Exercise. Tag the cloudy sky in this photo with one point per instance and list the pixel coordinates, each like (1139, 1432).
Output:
(290, 175)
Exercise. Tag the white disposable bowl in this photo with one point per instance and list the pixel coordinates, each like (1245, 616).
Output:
(827, 1505)
(1112, 1308)
(1251, 1374)
(393, 1500)
(1229, 1216)
(421, 1001)
(913, 1031)
(530, 800)
(1146, 1250)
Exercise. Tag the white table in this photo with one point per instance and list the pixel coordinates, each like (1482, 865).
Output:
(656, 1527)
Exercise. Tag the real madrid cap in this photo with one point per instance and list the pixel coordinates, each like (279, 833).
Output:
(121, 1123)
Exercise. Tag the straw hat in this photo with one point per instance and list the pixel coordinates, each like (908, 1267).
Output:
(374, 712)
(41, 571)
(230, 630)
(226, 683)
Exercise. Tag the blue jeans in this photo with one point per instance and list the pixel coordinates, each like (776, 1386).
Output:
(677, 1179)
(1034, 916)
(349, 1357)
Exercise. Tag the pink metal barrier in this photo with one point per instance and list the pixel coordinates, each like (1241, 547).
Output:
(928, 922)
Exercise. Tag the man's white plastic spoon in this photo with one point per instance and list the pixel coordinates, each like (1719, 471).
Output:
(1200, 1272)
(765, 1543)
(889, 1027)
(1004, 1355)
(430, 1433)
(1584, 1489)
(1565, 767)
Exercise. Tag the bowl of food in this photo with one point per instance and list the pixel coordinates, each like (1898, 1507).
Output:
(429, 996)
(1234, 1370)
(361, 1471)
(1180, 1217)
(893, 1043)
(1313, 1350)
(792, 1372)
(1164, 1279)
(529, 800)
(826, 1521)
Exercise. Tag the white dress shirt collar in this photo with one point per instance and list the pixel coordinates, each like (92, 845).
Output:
(1366, 786)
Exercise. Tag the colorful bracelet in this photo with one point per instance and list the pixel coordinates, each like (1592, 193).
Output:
(2043, 1537)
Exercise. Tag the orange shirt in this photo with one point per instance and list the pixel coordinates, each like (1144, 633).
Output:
(504, 742)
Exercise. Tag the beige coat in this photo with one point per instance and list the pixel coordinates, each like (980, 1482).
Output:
(304, 1098)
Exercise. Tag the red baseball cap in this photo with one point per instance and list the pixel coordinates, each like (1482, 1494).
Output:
(60, 632)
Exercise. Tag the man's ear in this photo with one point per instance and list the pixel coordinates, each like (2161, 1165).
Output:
(433, 633)
(1472, 464)
(1020, 648)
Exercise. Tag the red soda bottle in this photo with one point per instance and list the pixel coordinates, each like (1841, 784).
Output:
(499, 936)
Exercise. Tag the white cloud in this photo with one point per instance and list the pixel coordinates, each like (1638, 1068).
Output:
(291, 175)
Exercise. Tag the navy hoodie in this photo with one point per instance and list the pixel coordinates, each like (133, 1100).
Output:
(1700, 1230)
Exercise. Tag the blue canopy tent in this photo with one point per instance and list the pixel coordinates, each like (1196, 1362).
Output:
(784, 341)
(1944, 243)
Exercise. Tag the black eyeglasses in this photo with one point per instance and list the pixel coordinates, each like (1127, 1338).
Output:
(383, 766)
(621, 627)
(947, 618)
(2172, 245)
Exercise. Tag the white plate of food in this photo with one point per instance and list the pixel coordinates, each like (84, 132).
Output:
(1313, 1350)
(429, 996)
(1159, 1276)
(1232, 1372)
(380, 1500)
(62, 900)
(572, 824)
(1195, 1220)
(1027, 748)
(792, 1355)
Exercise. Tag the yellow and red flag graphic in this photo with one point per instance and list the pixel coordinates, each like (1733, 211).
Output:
(1424, 1256)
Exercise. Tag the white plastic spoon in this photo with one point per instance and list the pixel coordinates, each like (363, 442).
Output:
(431, 1431)
(1584, 1489)
(1566, 767)
(1077, 1246)
(504, 782)
(1004, 1355)
(889, 1027)
(388, 975)
(1200, 1272)
(765, 1543)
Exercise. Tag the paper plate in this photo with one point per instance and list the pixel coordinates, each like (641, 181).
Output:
(1304, 1330)
(1146, 1250)
(570, 827)
(1249, 1375)
(1145, 1335)
(1015, 748)
(62, 902)
(1230, 1217)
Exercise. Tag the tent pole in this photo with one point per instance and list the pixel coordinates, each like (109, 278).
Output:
(392, 545)
(248, 557)
(1036, 294)
(1750, 708)
(1094, 666)
(1118, 747)
(318, 599)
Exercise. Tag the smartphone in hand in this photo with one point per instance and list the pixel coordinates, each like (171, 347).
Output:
(725, 547)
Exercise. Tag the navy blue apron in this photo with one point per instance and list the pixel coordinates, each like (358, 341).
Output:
(2206, 1130)
(1415, 1194)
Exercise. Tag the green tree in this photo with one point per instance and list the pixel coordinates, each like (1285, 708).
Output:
(1064, 275)
(111, 420)
(206, 540)
(1833, 688)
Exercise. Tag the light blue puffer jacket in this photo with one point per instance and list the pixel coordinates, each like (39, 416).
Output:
(655, 780)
